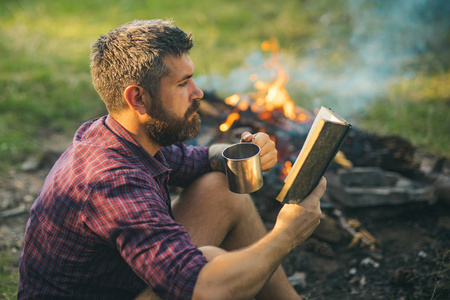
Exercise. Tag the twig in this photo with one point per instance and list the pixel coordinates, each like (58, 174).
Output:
(13, 212)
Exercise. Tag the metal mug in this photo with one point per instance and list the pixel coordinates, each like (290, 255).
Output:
(243, 167)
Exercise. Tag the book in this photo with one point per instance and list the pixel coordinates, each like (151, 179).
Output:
(325, 138)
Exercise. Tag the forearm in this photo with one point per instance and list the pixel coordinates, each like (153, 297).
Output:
(241, 274)
(215, 157)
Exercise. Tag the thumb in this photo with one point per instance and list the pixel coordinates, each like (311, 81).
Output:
(314, 197)
(246, 137)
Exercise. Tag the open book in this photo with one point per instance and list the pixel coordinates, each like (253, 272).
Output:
(325, 138)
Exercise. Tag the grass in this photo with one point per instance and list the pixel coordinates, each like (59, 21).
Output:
(44, 60)
(10, 279)
(416, 109)
(45, 74)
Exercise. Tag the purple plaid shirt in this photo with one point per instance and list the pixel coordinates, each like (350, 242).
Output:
(102, 227)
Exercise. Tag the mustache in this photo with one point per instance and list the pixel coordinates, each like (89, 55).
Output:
(193, 108)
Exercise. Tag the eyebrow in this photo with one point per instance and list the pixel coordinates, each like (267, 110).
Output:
(186, 77)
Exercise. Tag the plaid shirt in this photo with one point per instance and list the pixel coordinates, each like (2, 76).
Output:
(102, 227)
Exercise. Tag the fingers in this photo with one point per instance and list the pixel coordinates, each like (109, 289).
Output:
(314, 197)
(259, 138)
(269, 154)
(269, 159)
(300, 220)
(246, 137)
(320, 188)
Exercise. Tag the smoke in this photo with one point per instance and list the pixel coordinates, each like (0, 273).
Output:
(388, 41)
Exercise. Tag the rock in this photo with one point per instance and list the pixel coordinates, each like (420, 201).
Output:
(369, 187)
(30, 164)
(442, 187)
(6, 199)
(298, 279)
(46, 160)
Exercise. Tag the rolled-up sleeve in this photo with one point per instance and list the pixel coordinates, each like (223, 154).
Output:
(187, 163)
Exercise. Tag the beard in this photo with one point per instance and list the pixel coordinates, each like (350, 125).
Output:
(165, 129)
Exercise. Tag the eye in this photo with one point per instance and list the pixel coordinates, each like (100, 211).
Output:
(184, 83)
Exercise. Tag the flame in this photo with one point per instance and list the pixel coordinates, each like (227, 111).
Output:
(229, 121)
(273, 95)
(240, 105)
(270, 96)
(233, 99)
(243, 105)
(272, 45)
(287, 168)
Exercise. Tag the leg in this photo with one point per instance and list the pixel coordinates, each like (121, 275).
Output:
(215, 216)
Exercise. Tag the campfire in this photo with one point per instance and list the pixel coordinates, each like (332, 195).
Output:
(271, 102)
(270, 109)
(372, 179)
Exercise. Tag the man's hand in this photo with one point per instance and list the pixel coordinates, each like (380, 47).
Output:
(216, 160)
(299, 221)
(269, 154)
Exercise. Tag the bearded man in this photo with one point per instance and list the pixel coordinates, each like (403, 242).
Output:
(103, 225)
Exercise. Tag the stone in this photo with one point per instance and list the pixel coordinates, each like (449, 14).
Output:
(369, 187)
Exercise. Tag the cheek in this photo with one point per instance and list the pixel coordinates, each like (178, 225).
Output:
(177, 102)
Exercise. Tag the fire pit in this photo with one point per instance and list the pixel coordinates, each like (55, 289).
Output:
(270, 109)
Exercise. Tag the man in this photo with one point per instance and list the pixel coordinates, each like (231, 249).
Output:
(103, 226)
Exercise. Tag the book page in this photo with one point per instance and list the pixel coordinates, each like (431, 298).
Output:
(335, 120)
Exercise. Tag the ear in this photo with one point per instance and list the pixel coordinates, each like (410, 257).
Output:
(136, 98)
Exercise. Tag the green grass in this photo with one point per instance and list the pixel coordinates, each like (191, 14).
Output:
(44, 64)
(417, 109)
(10, 278)
(44, 54)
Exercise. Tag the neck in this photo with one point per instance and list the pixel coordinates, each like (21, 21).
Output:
(136, 128)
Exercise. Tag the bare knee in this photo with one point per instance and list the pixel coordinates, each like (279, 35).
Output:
(209, 210)
(215, 185)
(147, 294)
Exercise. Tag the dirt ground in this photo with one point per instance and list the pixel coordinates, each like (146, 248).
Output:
(408, 260)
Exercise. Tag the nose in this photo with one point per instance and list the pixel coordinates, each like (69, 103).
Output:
(197, 93)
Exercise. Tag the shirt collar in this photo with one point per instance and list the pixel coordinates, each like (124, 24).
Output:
(155, 164)
(115, 127)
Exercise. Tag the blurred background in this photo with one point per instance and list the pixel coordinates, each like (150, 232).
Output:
(382, 64)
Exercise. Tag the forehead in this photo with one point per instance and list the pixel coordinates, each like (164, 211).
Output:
(178, 66)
